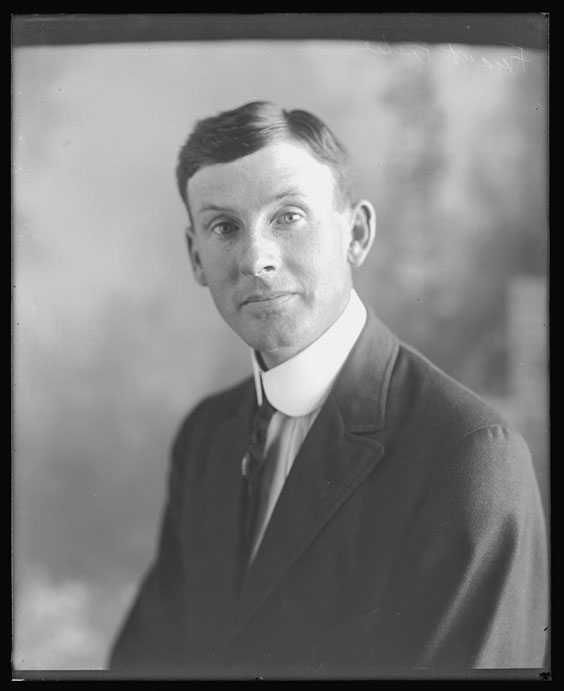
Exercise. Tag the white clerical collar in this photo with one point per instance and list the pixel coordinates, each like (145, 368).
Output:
(300, 385)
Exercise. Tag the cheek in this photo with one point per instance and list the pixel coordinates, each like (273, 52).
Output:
(321, 253)
(218, 266)
(320, 233)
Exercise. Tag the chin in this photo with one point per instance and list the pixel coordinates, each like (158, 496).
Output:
(272, 341)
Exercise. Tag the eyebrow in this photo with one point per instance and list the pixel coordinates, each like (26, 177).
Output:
(288, 192)
(214, 207)
(284, 194)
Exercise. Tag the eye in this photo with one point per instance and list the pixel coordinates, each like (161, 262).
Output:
(224, 228)
(290, 217)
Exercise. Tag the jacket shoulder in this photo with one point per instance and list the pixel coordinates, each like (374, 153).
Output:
(427, 398)
(432, 418)
(472, 462)
(211, 410)
(197, 429)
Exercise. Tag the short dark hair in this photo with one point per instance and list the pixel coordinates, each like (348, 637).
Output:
(242, 131)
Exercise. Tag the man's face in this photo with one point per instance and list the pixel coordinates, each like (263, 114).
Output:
(271, 242)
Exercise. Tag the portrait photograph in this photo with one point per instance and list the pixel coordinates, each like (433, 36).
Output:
(280, 346)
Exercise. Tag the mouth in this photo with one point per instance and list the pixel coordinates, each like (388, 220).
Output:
(266, 299)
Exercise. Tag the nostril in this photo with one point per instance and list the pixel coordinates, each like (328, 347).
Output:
(257, 267)
(258, 270)
(259, 255)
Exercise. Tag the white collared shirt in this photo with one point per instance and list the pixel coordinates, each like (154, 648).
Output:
(297, 388)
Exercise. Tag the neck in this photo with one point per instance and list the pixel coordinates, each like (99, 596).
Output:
(299, 385)
(272, 358)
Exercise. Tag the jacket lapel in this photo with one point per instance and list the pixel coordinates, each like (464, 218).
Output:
(337, 455)
(220, 505)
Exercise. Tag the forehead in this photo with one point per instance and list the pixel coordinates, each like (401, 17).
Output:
(262, 177)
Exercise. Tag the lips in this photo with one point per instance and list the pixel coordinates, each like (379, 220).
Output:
(266, 298)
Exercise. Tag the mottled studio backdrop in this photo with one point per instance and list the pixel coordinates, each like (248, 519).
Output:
(113, 340)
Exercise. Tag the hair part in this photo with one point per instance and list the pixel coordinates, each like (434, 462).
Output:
(242, 131)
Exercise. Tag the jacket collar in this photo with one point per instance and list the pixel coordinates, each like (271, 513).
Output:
(361, 390)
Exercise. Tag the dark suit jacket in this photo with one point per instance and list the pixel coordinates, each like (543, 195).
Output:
(409, 535)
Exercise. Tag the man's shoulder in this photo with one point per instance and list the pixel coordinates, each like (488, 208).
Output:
(443, 428)
(427, 385)
(221, 404)
(199, 428)
(226, 401)
(431, 409)
(388, 384)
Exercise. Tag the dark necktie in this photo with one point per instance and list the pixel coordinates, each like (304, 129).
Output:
(251, 468)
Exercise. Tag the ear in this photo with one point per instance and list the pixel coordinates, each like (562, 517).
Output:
(194, 255)
(363, 231)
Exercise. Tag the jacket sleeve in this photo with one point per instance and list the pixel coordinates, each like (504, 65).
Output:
(470, 586)
(474, 593)
(151, 636)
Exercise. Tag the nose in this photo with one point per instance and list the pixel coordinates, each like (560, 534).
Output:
(260, 252)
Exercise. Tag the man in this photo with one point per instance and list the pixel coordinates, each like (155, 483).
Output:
(373, 514)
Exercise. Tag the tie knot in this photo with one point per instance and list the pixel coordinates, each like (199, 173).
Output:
(264, 413)
(254, 456)
(261, 420)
